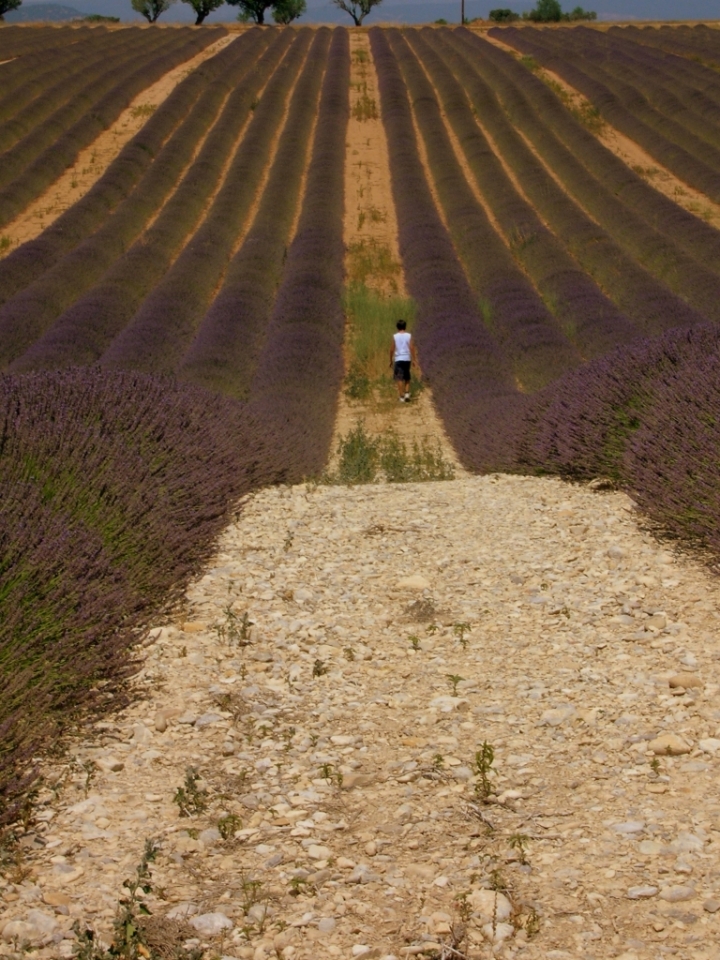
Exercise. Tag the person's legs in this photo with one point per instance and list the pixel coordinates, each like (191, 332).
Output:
(407, 389)
(399, 374)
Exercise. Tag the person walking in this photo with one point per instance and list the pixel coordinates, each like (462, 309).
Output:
(402, 356)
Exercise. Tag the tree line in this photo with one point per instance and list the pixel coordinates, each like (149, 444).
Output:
(545, 11)
(249, 11)
(285, 11)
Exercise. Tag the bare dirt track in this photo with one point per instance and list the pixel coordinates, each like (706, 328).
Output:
(92, 162)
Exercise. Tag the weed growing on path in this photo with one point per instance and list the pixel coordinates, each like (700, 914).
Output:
(519, 843)
(460, 629)
(234, 629)
(366, 459)
(136, 934)
(319, 668)
(483, 765)
(190, 798)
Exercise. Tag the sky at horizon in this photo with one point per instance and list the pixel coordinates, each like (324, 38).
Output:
(426, 11)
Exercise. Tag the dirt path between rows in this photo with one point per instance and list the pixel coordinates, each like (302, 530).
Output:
(370, 215)
(631, 153)
(344, 807)
(94, 160)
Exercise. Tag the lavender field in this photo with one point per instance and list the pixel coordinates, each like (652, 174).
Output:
(173, 339)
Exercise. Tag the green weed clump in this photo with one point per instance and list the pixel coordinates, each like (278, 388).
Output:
(365, 108)
(372, 319)
(370, 259)
(365, 459)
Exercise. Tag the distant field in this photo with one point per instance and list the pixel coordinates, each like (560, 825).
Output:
(175, 267)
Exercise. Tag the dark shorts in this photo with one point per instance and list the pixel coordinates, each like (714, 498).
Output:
(401, 370)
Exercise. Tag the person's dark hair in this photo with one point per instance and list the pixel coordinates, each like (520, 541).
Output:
(401, 325)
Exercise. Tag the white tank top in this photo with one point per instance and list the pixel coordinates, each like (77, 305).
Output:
(402, 345)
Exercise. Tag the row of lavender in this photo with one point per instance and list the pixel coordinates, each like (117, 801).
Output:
(660, 263)
(16, 42)
(85, 299)
(25, 79)
(100, 93)
(160, 332)
(114, 487)
(596, 294)
(171, 126)
(473, 385)
(699, 43)
(72, 88)
(646, 413)
(119, 482)
(614, 299)
(656, 99)
(590, 319)
(523, 327)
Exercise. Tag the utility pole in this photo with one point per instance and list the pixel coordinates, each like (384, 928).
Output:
(462, 13)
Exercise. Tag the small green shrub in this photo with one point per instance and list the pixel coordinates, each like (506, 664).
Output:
(358, 385)
(364, 459)
(503, 15)
(359, 457)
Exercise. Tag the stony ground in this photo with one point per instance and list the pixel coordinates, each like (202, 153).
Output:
(345, 806)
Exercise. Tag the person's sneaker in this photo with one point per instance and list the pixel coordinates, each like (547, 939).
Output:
(407, 396)
(402, 399)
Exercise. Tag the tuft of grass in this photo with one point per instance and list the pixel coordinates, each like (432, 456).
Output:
(358, 385)
(234, 629)
(319, 668)
(369, 259)
(422, 463)
(372, 319)
(359, 457)
(366, 459)
(519, 842)
(144, 110)
(460, 629)
(365, 108)
(228, 824)
(590, 117)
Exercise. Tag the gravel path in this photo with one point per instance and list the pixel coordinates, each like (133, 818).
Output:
(338, 754)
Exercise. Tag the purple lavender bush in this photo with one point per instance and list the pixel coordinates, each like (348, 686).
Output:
(224, 353)
(296, 385)
(114, 487)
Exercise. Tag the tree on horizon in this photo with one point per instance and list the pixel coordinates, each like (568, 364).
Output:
(358, 9)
